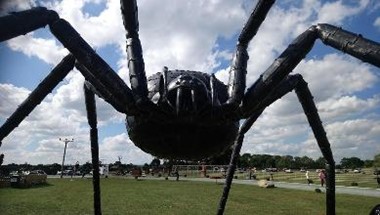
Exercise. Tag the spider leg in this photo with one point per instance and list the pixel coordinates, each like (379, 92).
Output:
(238, 71)
(285, 87)
(92, 121)
(311, 112)
(19, 23)
(23, 22)
(234, 158)
(37, 95)
(99, 89)
(134, 51)
(297, 83)
(305, 97)
(95, 65)
(353, 44)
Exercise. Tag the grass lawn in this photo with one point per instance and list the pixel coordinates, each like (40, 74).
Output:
(125, 196)
(366, 179)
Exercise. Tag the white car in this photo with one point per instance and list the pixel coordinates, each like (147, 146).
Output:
(288, 171)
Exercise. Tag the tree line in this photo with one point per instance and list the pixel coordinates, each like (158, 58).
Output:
(263, 161)
(260, 161)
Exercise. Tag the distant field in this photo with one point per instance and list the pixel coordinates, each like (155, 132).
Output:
(366, 179)
(128, 196)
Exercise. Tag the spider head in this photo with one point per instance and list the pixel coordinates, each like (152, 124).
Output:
(187, 94)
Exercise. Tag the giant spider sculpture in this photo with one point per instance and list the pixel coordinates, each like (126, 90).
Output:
(180, 114)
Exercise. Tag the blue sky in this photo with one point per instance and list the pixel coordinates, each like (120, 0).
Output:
(196, 35)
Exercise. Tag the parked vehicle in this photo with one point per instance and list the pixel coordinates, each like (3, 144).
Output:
(289, 171)
(65, 172)
(269, 170)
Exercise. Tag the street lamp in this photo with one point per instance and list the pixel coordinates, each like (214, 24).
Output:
(66, 141)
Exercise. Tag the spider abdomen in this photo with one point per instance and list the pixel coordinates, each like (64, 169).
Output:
(181, 140)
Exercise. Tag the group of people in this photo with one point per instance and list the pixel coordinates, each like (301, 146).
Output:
(321, 175)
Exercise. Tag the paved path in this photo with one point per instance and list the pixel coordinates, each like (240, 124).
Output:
(363, 191)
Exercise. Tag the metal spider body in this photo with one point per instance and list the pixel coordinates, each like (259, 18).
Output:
(185, 114)
(187, 125)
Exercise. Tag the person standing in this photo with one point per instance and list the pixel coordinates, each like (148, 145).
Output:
(252, 173)
(308, 178)
(322, 177)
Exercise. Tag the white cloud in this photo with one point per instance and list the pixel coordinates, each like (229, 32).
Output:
(106, 28)
(45, 49)
(11, 97)
(172, 39)
(354, 137)
(377, 22)
(347, 106)
(121, 145)
(336, 75)
(335, 12)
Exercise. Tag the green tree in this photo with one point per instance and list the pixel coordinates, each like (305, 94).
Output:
(351, 163)
(286, 162)
(376, 161)
(306, 162)
(368, 163)
(86, 168)
(222, 159)
(54, 168)
(270, 161)
(297, 163)
(320, 163)
(155, 163)
(245, 160)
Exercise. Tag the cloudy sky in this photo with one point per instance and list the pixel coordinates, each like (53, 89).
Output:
(195, 35)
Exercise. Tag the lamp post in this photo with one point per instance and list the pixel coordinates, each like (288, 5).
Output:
(66, 141)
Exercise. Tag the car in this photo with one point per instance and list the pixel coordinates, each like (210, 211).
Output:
(271, 169)
(357, 171)
(68, 172)
(37, 172)
(288, 171)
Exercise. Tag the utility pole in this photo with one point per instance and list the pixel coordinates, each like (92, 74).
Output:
(66, 141)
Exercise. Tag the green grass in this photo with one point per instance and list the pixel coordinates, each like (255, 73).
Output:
(124, 196)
